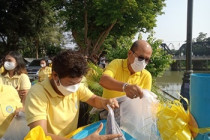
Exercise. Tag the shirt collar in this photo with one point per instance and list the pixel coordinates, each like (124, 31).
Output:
(125, 67)
(47, 85)
(14, 76)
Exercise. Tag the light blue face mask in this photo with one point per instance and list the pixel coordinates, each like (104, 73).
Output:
(137, 65)
(67, 90)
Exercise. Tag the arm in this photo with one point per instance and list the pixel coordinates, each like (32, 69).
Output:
(99, 102)
(94, 136)
(110, 83)
(22, 95)
(23, 86)
(132, 91)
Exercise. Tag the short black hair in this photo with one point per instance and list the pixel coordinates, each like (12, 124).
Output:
(69, 63)
(43, 60)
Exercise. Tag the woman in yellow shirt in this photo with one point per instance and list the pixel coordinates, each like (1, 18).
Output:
(10, 105)
(15, 74)
(44, 71)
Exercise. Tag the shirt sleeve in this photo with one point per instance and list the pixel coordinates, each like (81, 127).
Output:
(36, 104)
(84, 93)
(24, 82)
(111, 69)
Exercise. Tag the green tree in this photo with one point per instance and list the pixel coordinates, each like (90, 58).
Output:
(28, 25)
(92, 21)
(15, 22)
(120, 49)
(160, 60)
(52, 50)
(201, 37)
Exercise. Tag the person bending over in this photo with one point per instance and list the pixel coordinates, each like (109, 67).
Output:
(54, 103)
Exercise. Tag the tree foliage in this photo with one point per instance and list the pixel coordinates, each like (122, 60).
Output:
(117, 48)
(28, 25)
(91, 21)
(200, 46)
(201, 37)
(160, 60)
(34, 25)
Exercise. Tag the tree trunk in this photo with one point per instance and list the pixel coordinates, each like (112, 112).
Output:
(37, 48)
(101, 39)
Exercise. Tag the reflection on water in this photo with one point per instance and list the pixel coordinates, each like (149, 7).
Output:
(171, 82)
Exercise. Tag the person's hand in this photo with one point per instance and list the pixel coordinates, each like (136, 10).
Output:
(96, 136)
(17, 111)
(113, 103)
(133, 91)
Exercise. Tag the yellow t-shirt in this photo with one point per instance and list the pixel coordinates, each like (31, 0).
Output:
(61, 112)
(118, 70)
(9, 102)
(44, 73)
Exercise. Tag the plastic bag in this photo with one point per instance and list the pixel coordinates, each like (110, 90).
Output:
(112, 127)
(17, 129)
(138, 116)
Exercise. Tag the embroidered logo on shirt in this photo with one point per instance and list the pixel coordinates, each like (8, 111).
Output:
(9, 109)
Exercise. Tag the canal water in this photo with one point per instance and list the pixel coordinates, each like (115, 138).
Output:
(171, 82)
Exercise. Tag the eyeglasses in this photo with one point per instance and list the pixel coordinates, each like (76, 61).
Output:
(141, 58)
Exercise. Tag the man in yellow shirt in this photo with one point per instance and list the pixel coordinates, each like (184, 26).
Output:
(128, 76)
(54, 103)
(9, 105)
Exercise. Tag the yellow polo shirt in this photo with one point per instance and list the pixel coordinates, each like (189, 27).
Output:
(9, 102)
(44, 73)
(19, 82)
(118, 70)
(61, 112)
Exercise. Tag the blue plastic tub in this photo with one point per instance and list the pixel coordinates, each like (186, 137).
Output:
(92, 128)
(200, 102)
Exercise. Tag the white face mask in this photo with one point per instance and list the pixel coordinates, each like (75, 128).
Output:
(9, 65)
(66, 90)
(137, 65)
(43, 65)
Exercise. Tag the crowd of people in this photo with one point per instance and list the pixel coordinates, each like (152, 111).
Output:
(53, 103)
